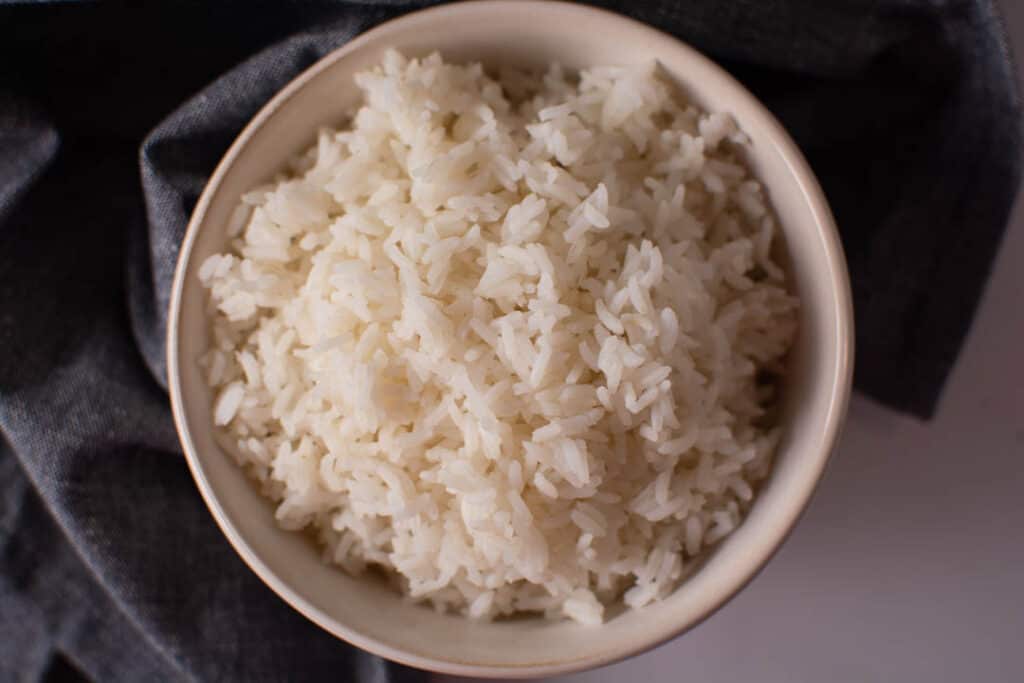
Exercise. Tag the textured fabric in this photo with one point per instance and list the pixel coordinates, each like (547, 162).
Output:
(112, 117)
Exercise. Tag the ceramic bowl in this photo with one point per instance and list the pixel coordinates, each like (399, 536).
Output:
(367, 613)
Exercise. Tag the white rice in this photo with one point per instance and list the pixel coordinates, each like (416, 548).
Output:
(510, 351)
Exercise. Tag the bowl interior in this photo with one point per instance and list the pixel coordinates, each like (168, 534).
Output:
(368, 613)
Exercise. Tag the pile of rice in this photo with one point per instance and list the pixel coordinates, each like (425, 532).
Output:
(509, 340)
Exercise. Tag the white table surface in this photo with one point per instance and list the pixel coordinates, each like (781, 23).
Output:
(909, 563)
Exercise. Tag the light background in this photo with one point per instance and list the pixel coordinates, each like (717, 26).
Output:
(909, 564)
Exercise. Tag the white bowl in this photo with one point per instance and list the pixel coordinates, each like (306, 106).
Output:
(365, 612)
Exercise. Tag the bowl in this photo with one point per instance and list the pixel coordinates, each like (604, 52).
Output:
(364, 611)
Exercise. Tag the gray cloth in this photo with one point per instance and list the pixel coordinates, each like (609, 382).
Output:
(907, 110)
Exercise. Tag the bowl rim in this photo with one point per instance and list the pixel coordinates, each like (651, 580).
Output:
(840, 382)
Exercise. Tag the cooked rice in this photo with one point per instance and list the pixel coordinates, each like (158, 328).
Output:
(506, 339)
